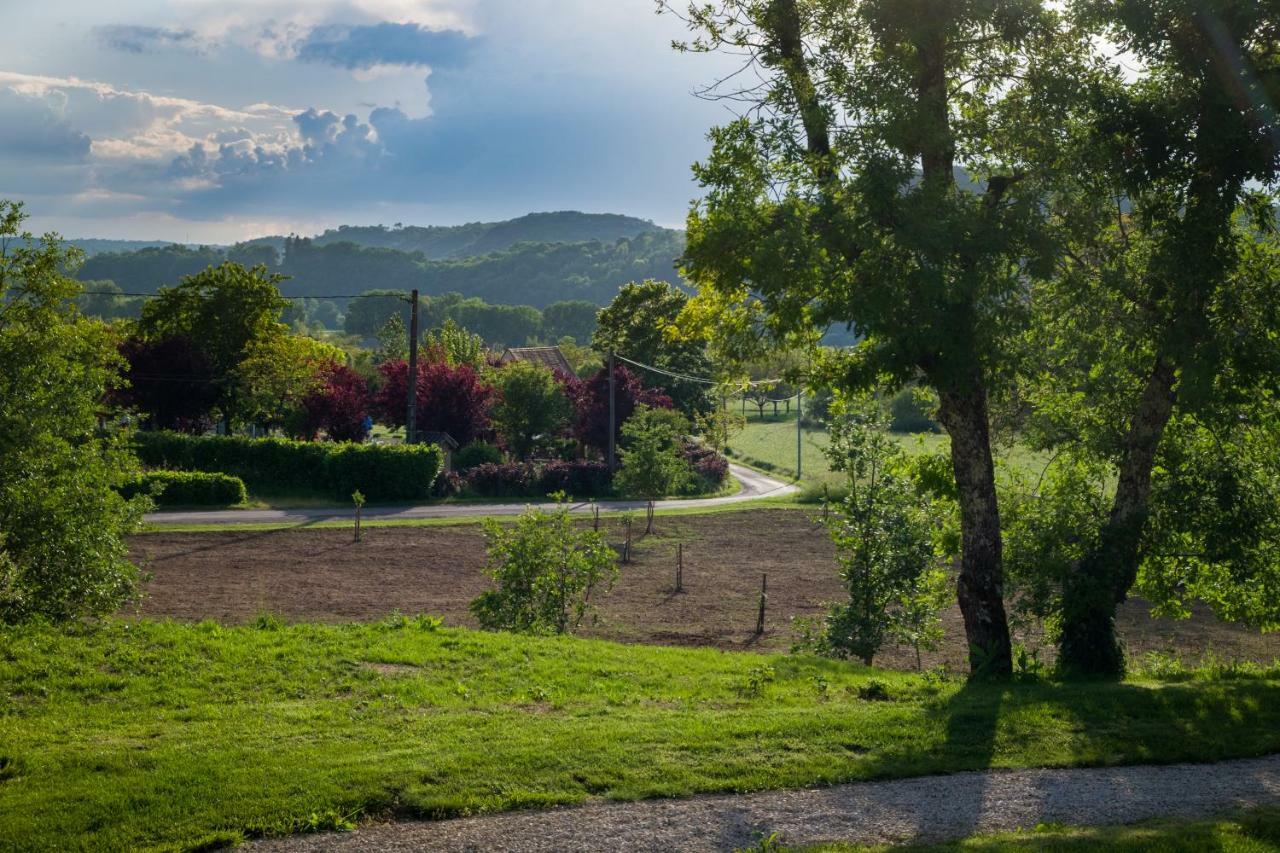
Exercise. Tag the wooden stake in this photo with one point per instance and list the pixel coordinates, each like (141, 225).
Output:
(764, 596)
(680, 567)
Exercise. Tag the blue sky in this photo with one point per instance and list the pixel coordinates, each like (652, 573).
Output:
(218, 120)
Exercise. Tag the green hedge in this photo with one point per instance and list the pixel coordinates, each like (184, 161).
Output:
(189, 488)
(274, 465)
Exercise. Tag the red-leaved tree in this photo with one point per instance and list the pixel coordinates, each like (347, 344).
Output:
(339, 406)
(171, 383)
(590, 399)
(451, 399)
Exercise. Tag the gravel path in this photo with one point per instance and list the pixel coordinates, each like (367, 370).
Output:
(754, 485)
(932, 808)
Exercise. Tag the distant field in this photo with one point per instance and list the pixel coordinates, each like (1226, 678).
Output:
(771, 444)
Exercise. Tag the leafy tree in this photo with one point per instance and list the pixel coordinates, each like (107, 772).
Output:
(62, 550)
(884, 536)
(227, 311)
(170, 382)
(450, 399)
(546, 570)
(1164, 306)
(652, 463)
(338, 406)
(845, 198)
(575, 319)
(280, 371)
(590, 399)
(640, 324)
(455, 345)
(369, 314)
(531, 405)
(393, 341)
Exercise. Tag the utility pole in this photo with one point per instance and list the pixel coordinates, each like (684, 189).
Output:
(411, 420)
(613, 414)
(799, 431)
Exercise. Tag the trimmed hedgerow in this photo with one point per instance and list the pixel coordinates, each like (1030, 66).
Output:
(381, 472)
(188, 488)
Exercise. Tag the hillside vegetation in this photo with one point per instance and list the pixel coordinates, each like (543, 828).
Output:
(534, 260)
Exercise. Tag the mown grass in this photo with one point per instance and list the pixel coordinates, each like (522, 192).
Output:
(159, 735)
(770, 445)
(1256, 831)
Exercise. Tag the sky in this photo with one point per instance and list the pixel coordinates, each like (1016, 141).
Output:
(220, 120)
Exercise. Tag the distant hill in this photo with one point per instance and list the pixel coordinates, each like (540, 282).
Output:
(95, 246)
(450, 242)
(534, 260)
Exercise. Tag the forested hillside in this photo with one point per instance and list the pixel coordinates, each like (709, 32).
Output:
(544, 265)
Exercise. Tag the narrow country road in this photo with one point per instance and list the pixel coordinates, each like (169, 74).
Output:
(927, 809)
(754, 485)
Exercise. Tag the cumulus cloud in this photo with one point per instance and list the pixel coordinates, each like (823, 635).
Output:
(31, 128)
(366, 47)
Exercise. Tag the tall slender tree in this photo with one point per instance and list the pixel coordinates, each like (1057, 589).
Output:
(882, 180)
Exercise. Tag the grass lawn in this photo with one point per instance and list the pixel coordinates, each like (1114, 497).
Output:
(158, 735)
(771, 444)
(1252, 832)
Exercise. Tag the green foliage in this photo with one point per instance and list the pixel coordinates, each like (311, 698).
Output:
(227, 311)
(188, 488)
(476, 453)
(883, 531)
(270, 465)
(641, 324)
(393, 341)
(456, 345)
(912, 410)
(532, 407)
(546, 570)
(62, 520)
(652, 464)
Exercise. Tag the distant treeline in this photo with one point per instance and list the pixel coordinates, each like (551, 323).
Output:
(536, 260)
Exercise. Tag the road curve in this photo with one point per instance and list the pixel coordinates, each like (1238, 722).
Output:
(754, 486)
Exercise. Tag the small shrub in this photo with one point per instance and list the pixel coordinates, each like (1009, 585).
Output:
(508, 480)
(757, 678)
(546, 570)
(710, 469)
(188, 488)
(580, 478)
(476, 453)
(874, 691)
(448, 484)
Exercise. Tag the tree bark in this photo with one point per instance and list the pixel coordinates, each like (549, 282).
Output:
(980, 587)
(1102, 579)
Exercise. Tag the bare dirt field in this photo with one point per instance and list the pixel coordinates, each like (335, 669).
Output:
(321, 575)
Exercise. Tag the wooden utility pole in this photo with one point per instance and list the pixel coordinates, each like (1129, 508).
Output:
(799, 434)
(613, 414)
(411, 418)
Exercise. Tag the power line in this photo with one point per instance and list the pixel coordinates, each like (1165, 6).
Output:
(701, 380)
(325, 296)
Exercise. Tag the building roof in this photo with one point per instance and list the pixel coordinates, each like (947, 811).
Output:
(549, 357)
(441, 438)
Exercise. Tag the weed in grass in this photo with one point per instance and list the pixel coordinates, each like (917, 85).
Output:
(874, 691)
(267, 622)
(757, 678)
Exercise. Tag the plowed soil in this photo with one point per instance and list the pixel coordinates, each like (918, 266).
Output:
(304, 574)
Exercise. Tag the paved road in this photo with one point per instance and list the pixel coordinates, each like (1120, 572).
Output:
(928, 809)
(754, 485)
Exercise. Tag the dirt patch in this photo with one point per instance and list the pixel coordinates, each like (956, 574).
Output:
(321, 575)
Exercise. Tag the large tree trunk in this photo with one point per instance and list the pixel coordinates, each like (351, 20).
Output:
(980, 588)
(1103, 578)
